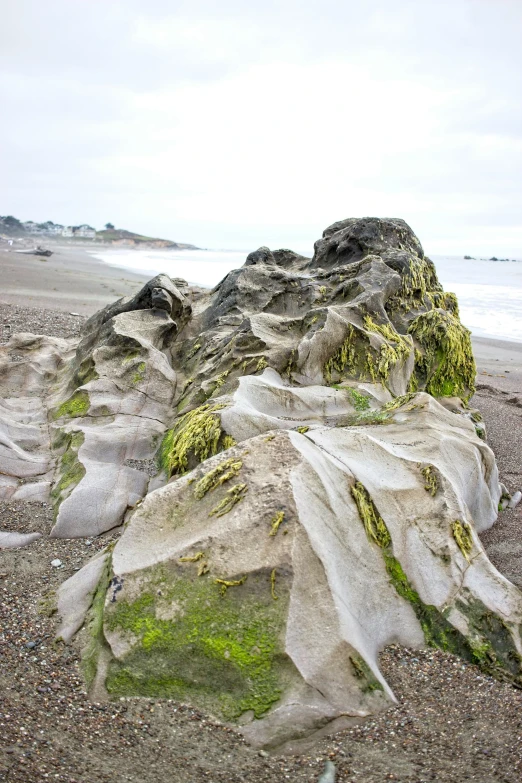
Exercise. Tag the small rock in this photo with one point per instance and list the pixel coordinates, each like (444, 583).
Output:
(74, 314)
(515, 499)
(30, 645)
(56, 563)
(328, 775)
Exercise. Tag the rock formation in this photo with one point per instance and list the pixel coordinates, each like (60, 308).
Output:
(300, 478)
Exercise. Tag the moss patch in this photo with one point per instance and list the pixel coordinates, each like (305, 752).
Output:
(195, 437)
(359, 401)
(77, 405)
(86, 372)
(364, 674)
(71, 471)
(94, 624)
(139, 375)
(221, 653)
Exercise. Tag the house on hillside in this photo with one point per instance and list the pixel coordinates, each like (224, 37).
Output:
(55, 229)
(67, 231)
(32, 228)
(84, 231)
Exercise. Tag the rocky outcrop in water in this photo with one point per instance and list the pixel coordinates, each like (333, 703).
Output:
(300, 478)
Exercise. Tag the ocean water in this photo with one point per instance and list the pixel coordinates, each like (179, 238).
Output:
(489, 292)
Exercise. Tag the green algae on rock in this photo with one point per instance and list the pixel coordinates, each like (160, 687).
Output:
(226, 653)
(76, 406)
(70, 469)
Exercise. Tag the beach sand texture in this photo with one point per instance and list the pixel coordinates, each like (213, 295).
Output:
(452, 722)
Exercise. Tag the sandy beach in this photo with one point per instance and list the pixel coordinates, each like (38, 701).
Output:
(70, 280)
(451, 723)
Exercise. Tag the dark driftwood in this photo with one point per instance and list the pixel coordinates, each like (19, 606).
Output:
(38, 251)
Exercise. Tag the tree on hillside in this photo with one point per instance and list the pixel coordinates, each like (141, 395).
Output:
(109, 226)
(11, 225)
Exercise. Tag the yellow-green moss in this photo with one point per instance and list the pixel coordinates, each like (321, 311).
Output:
(70, 470)
(228, 442)
(413, 383)
(397, 348)
(196, 436)
(398, 402)
(276, 521)
(75, 406)
(302, 430)
(344, 360)
(431, 483)
(224, 584)
(418, 280)
(462, 535)
(218, 382)
(86, 372)
(261, 364)
(94, 625)
(140, 373)
(444, 300)
(291, 364)
(373, 523)
(447, 366)
(214, 478)
(192, 558)
(193, 351)
(362, 671)
(359, 401)
(48, 605)
(273, 584)
(233, 496)
(223, 654)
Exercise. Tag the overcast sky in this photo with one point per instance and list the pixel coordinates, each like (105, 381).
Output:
(234, 124)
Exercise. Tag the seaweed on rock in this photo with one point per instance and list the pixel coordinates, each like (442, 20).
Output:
(195, 437)
(447, 362)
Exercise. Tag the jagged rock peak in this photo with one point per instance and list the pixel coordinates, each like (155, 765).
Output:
(350, 240)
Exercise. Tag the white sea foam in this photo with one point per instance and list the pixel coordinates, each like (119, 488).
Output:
(489, 292)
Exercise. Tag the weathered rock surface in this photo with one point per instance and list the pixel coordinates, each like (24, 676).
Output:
(326, 483)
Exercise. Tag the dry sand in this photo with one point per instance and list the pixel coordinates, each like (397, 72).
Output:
(70, 280)
(452, 723)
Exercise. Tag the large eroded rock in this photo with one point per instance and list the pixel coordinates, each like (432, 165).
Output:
(318, 489)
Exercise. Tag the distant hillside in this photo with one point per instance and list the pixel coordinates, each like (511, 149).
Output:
(12, 227)
(120, 236)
